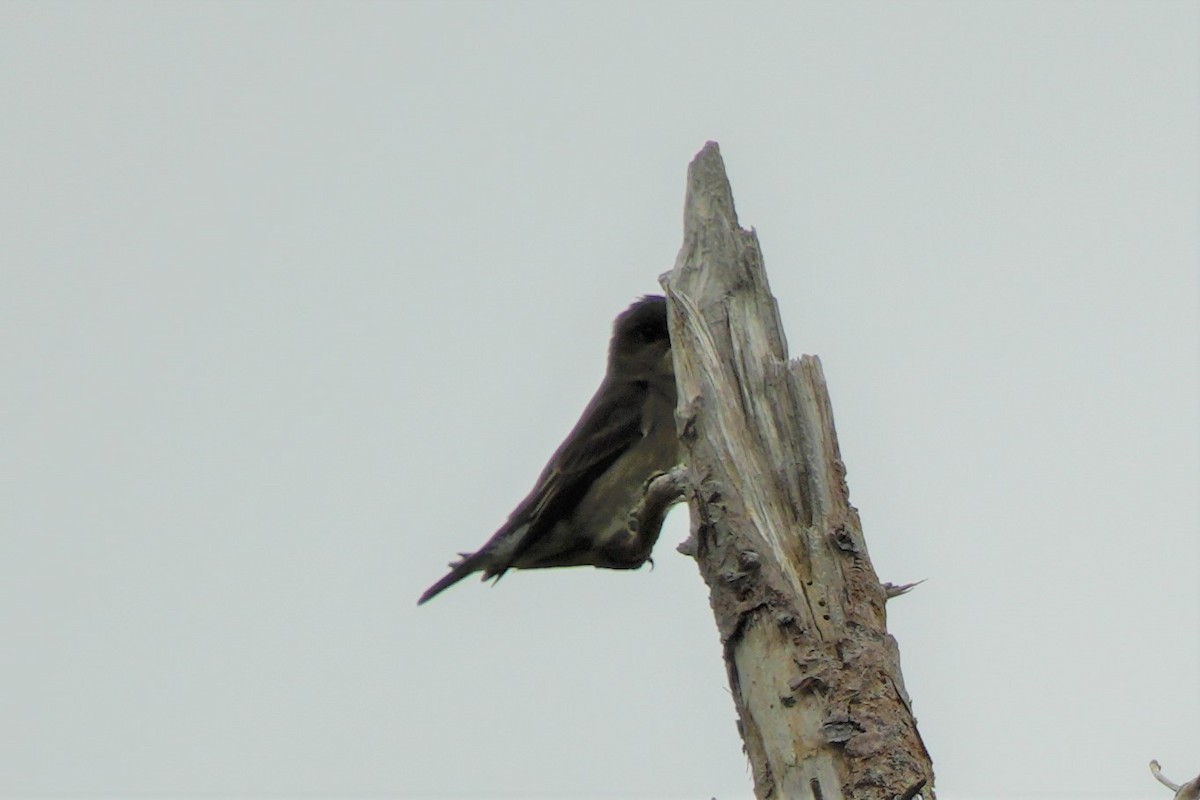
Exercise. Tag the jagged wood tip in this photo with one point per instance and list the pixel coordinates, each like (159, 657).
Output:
(773, 533)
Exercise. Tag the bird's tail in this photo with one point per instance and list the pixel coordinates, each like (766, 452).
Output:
(470, 562)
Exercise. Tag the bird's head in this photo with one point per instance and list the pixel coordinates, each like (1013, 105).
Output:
(641, 345)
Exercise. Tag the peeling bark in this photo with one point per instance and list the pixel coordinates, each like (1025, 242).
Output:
(801, 614)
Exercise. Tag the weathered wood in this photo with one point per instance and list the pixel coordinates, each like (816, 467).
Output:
(815, 675)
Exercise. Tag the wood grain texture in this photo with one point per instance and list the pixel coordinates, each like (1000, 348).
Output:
(814, 673)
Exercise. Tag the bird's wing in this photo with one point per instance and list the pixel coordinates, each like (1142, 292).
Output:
(609, 426)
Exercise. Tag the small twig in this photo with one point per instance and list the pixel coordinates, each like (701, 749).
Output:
(891, 590)
(1156, 771)
(1188, 791)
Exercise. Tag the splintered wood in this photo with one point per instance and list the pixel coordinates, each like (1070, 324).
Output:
(814, 673)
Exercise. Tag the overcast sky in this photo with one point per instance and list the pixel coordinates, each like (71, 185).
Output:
(298, 298)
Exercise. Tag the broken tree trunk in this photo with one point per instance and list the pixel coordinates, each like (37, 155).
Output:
(814, 673)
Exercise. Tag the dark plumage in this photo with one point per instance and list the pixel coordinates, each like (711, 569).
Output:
(578, 510)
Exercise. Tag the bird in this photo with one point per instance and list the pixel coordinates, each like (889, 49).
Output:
(578, 511)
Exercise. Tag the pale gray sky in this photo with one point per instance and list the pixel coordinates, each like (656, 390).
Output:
(298, 298)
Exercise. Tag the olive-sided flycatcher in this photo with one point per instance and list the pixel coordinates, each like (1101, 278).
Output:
(578, 511)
